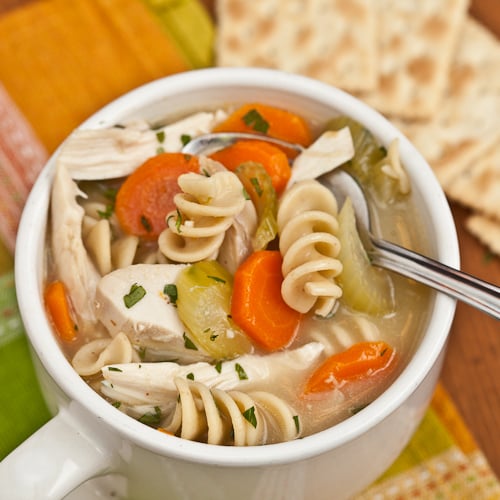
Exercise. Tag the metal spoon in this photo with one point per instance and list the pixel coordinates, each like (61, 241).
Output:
(457, 284)
(208, 143)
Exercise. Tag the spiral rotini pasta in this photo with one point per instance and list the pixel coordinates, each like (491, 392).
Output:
(307, 225)
(205, 210)
(91, 357)
(230, 417)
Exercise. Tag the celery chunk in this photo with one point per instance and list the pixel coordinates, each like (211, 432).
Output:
(204, 302)
(369, 158)
(364, 287)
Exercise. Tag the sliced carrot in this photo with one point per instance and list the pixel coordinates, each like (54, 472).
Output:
(268, 120)
(362, 360)
(147, 195)
(59, 309)
(256, 304)
(273, 159)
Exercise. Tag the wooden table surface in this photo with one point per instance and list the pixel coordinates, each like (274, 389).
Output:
(471, 373)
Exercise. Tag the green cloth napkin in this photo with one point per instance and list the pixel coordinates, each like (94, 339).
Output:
(22, 408)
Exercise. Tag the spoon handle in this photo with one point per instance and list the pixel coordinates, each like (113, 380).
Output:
(457, 284)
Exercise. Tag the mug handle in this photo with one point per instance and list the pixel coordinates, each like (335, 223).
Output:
(57, 458)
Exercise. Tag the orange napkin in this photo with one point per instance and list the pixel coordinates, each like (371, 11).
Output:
(60, 61)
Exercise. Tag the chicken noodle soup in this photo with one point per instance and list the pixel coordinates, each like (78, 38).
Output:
(227, 298)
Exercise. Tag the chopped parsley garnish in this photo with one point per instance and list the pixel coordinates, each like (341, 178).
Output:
(117, 404)
(188, 343)
(114, 369)
(240, 371)
(488, 256)
(136, 293)
(178, 222)
(256, 185)
(170, 290)
(142, 353)
(160, 135)
(255, 120)
(106, 214)
(245, 194)
(160, 150)
(190, 376)
(109, 194)
(216, 278)
(213, 336)
(152, 419)
(146, 224)
(297, 423)
(250, 416)
(185, 138)
(218, 366)
(357, 409)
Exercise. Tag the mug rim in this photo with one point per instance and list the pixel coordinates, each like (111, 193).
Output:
(29, 254)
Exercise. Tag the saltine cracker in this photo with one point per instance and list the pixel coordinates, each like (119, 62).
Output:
(478, 187)
(331, 40)
(417, 40)
(486, 230)
(467, 123)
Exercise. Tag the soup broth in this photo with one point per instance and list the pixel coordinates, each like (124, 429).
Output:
(164, 322)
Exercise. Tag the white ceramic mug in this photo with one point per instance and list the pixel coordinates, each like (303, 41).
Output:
(88, 437)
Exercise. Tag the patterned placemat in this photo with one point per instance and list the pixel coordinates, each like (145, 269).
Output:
(22, 406)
